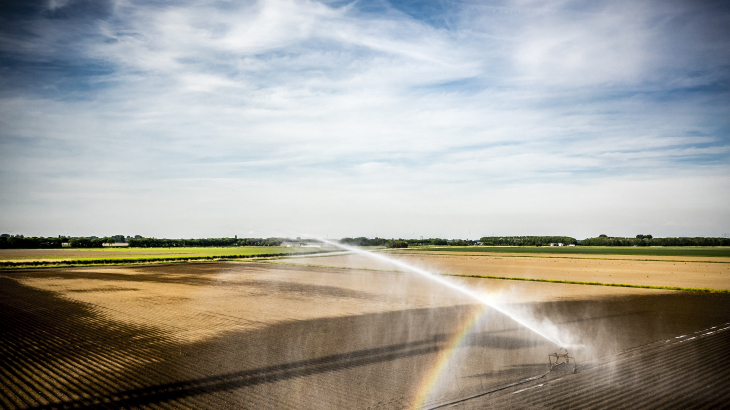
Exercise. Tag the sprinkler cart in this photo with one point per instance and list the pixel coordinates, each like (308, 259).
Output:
(561, 358)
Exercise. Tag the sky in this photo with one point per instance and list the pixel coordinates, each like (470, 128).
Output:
(452, 119)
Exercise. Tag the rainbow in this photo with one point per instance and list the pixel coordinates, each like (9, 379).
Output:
(444, 356)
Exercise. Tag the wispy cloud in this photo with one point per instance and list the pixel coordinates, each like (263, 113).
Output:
(324, 115)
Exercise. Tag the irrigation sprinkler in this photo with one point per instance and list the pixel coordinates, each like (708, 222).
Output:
(561, 358)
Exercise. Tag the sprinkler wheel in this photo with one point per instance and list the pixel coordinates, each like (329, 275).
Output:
(561, 356)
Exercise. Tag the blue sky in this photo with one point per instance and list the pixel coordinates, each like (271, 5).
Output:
(452, 119)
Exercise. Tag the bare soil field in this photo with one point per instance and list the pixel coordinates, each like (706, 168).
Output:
(713, 275)
(683, 258)
(263, 335)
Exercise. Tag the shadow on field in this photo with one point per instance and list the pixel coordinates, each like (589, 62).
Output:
(270, 374)
(54, 349)
(201, 274)
(60, 353)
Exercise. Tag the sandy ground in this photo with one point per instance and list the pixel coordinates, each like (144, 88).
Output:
(196, 301)
(569, 256)
(258, 335)
(653, 273)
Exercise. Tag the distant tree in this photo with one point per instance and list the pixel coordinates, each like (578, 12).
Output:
(97, 242)
(396, 244)
(363, 241)
(525, 240)
(80, 243)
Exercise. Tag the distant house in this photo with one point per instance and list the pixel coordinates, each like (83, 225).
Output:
(557, 244)
(291, 244)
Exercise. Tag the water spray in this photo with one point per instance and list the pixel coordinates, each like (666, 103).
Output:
(441, 280)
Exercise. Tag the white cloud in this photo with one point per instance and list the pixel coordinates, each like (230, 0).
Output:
(279, 112)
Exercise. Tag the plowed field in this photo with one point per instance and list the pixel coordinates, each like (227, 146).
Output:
(687, 272)
(256, 335)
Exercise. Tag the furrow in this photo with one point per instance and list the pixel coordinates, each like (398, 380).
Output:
(50, 381)
(598, 397)
(606, 380)
(651, 378)
(14, 390)
(27, 386)
(71, 369)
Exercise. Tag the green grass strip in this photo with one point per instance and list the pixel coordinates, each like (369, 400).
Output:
(127, 261)
(575, 282)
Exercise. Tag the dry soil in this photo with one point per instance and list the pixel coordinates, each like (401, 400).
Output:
(262, 335)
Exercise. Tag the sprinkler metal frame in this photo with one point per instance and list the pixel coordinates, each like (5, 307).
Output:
(561, 356)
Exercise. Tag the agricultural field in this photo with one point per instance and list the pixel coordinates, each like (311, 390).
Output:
(349, 332)
(586, 250)
(691, 272)
(70, 256)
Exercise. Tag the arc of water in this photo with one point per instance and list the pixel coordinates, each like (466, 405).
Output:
(442, 280)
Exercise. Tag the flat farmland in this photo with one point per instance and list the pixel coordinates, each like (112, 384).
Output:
(265, 335)
(685, 272)
(11, 257)
(639, 252)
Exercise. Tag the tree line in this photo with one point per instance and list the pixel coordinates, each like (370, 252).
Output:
(404, 243)
(396, 244)
(21, 242)
(648, 240)
(179, 243)
(526, 240)
(363, 241)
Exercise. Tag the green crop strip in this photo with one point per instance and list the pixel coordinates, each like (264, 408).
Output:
(74, 254)
(127, 261)
(575, 282)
